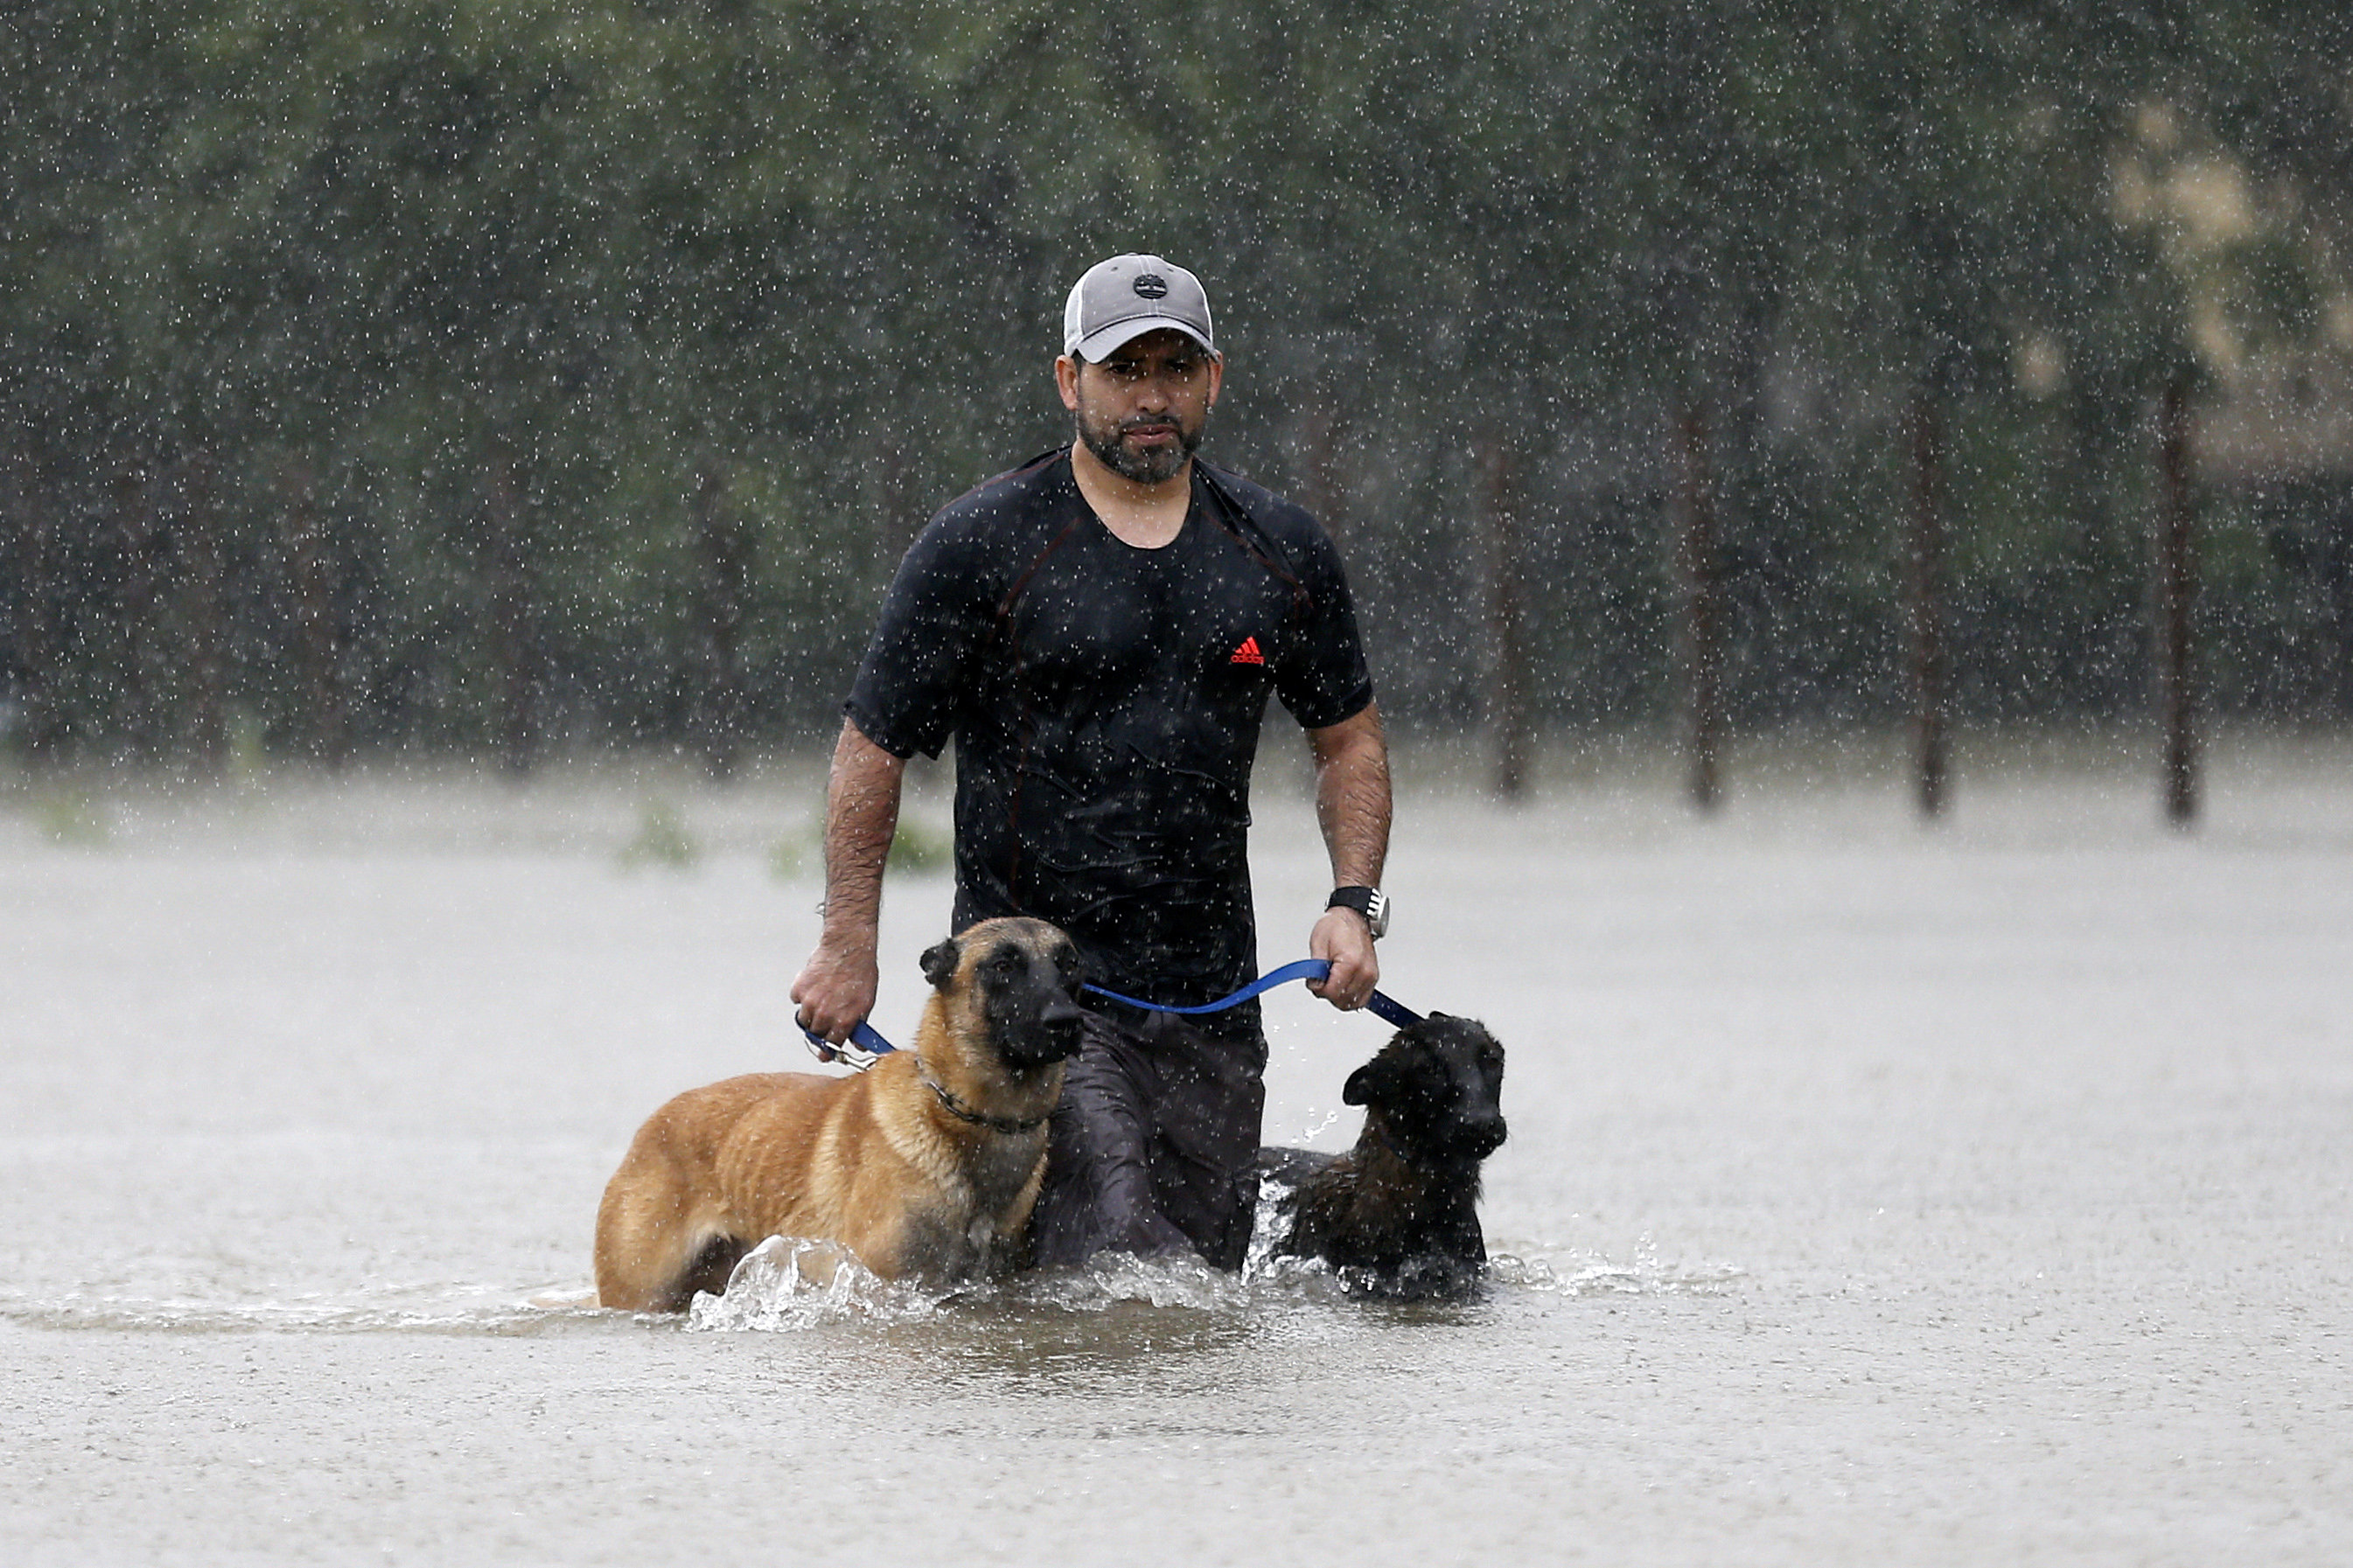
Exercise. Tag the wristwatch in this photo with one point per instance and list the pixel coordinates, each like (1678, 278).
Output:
(1369, 902)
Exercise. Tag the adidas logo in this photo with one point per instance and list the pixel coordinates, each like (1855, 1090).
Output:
(1248, 653)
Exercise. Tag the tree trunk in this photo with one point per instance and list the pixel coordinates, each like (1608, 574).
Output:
(1699, 579)
(35, 548)
(1509, 728)
(310, 565)
(203, 568)
(144, 537)
(513, 643)
(2177, 594)
(1316, 443)
(724, 569)
(1924, 600)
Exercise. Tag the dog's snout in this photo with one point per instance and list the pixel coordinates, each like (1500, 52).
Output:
(1040, 1022)
(1479, 1135)
(1059, 1020)
(1474, 1131)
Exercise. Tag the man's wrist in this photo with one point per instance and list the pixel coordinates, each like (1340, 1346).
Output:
(847, 938)
(1369, 903)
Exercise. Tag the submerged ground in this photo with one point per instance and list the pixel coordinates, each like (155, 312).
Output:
(1875, 1194)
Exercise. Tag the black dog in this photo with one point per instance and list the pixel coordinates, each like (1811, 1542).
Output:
(1397, 1214)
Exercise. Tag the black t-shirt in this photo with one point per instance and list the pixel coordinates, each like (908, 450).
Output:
(1105, 702)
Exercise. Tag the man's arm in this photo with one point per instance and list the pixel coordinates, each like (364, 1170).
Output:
(1352, 805)
(836, 988)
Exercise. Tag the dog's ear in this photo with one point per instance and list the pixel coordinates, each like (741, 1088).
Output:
(1369, 1084)
(940, 962)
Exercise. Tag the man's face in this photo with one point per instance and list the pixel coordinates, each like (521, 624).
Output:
(1142, 410)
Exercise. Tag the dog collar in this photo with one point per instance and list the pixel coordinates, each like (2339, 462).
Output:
(962, 1113)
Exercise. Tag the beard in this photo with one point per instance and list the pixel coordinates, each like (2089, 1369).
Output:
(1143, 465)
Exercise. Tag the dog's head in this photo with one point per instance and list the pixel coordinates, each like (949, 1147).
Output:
(1437, 1086)
(1018, 980)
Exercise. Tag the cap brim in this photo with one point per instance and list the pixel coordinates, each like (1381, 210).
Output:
(1103, 340)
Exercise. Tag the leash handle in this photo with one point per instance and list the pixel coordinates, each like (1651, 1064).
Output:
(1386, 1008)
(861, 1050)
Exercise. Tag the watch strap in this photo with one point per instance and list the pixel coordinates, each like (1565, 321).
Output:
(1369, 902)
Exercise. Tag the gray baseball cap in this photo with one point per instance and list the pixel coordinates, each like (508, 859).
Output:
(1129, 296)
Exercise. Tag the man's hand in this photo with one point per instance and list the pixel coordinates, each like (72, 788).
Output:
(837, 988)
(1343, 937)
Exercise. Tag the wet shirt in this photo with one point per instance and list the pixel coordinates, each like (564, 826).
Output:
(1105, 703)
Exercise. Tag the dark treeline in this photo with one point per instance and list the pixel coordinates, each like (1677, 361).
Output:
(514, 375)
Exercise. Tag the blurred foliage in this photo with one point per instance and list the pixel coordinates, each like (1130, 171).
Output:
(793, 856)
(661, 839)
(69, 817)
(509, 373)
(919, 849)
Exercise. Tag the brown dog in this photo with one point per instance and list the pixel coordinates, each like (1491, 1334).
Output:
(926, 1167)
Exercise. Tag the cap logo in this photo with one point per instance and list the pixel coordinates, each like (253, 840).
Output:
(1152, 285)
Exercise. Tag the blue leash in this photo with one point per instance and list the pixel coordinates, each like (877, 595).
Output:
(1388, 1009)
(864, 1041)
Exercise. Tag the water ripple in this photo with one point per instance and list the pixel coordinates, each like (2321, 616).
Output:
(787, 1285)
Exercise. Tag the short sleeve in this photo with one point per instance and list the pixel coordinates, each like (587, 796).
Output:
(1322, 677)
(934, 620)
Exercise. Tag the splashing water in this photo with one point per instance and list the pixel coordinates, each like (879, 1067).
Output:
(789, 1282)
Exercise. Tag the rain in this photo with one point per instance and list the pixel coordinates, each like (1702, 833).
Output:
(1851, 514)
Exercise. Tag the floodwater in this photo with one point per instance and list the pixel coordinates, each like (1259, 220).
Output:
(1875, 1194)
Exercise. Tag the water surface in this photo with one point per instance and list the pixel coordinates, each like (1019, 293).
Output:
(1873, 1194)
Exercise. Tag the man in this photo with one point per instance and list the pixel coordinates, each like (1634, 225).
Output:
(1100, 630)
